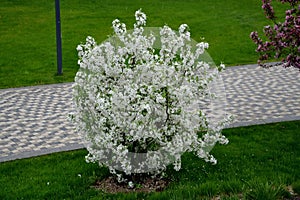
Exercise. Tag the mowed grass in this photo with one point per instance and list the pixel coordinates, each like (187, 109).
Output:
(260, 162)
(28, 44)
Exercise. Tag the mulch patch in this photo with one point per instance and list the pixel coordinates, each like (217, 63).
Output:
(147, 184)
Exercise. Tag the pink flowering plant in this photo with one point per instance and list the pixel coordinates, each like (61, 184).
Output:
(283, 38)
(144, 97)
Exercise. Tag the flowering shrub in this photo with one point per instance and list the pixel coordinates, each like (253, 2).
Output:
(140, 98)
(283, 38)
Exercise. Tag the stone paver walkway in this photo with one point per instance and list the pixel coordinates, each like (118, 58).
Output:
(33, 120)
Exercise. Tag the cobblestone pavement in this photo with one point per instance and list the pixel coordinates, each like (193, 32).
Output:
(33, 120)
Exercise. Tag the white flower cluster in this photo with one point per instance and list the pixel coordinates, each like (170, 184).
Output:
(137, 98)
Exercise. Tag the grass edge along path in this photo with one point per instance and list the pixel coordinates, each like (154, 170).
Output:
(260, 162)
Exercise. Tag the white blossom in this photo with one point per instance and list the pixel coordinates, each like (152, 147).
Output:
(137, 105)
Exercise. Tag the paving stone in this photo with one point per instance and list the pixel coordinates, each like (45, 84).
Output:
(34, 120)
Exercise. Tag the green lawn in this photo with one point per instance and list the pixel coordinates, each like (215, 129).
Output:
(258, 163)
(28, 48)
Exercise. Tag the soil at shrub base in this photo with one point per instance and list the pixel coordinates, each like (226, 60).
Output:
(148, 184)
